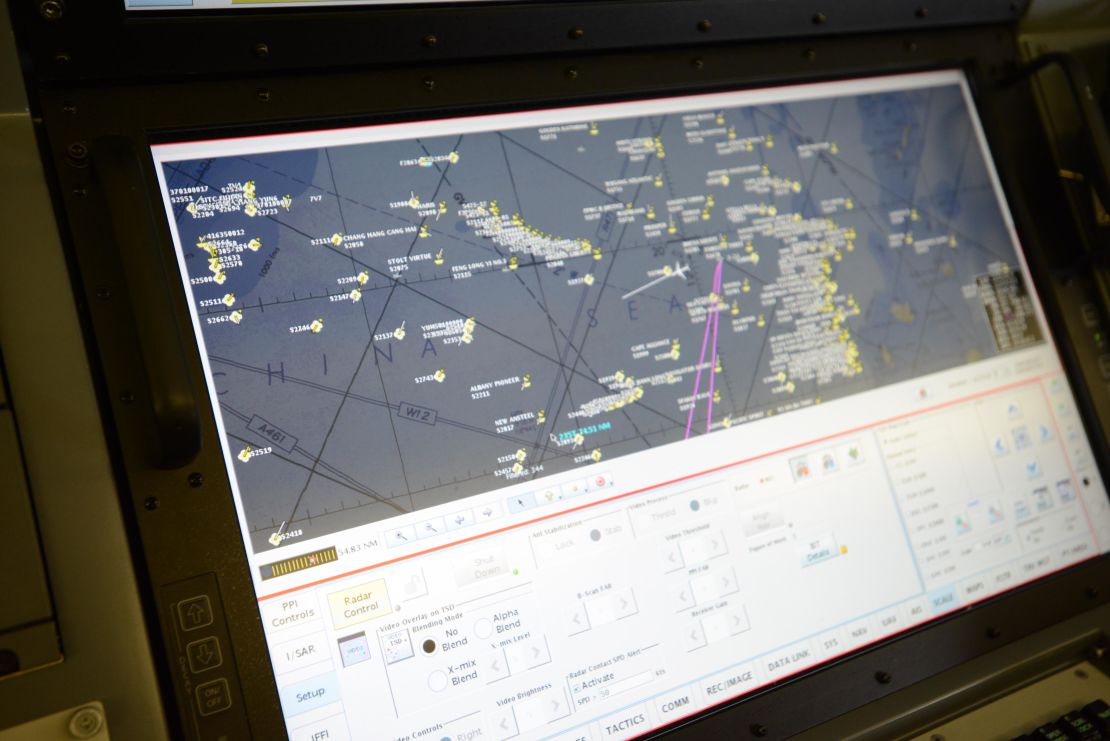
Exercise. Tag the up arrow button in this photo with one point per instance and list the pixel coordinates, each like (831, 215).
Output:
(195, 612)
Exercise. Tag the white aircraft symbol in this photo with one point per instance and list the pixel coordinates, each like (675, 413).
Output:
(679, 270)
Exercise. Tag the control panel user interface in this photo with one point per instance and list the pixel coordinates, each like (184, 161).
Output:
(575, 422)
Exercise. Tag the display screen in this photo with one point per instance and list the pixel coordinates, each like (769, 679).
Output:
(571, 423)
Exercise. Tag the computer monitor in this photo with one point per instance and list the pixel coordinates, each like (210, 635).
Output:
(581, 421)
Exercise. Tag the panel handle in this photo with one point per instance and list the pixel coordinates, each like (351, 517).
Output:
(1098, 140)
(173, 401)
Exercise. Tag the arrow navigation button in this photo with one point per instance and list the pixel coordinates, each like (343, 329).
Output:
(195, 612)
(204, 654)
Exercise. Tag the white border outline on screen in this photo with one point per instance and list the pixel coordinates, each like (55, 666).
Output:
(174, 152)
(272, 143)
(163, 153)
(402, 131)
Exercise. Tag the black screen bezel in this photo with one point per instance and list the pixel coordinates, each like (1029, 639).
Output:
(149, 114)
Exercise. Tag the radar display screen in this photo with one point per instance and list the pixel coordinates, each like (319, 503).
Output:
(612, 413)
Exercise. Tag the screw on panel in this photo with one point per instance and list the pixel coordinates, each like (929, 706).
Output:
(819, 19)
(151, 503)
(196, 479)
(758, 730)
(911, 46)
(993, 632)
(704, 25)
(262, 50)
(429, 41)
(51, 10)
(429, 84)
(103, 293)
(922, 12)
(263, 94)
(883, 677)
(576, 33)
(697, 63)
(61, 58)
(77, 151)
(80, 191)
(86, 723)
(572, 73)
(126, 397)
(68, 107)
(810, 55)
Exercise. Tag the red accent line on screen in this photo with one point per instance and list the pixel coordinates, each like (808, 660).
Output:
(1071, 470)
(680, 479)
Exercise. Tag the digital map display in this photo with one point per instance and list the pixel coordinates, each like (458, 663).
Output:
(433, 314)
